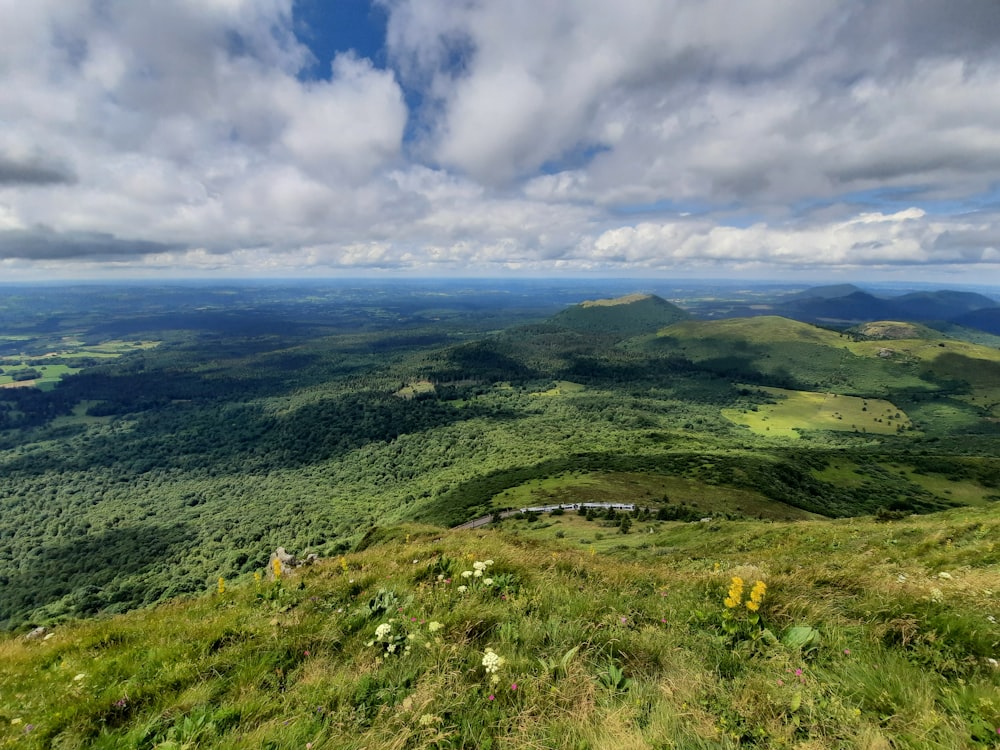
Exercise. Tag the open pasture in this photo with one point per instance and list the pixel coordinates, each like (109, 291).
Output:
(795, 411)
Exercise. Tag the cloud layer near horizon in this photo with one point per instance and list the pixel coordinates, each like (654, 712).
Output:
(767, 138)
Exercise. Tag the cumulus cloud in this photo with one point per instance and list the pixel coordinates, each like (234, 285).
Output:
(570, 135)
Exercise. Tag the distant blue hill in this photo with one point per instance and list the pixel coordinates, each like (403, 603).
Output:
(846, 303)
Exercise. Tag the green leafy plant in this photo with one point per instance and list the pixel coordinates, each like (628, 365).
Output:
(614, 679)
(558, 669)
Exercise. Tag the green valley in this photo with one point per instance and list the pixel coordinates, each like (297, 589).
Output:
(186, 441)
(272, 417)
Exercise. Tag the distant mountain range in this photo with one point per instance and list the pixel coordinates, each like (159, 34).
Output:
(846, 303)
(837, 306)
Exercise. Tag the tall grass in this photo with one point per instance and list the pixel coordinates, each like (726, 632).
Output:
(623, 649)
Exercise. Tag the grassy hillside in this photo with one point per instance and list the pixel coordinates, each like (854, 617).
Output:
(864, 634)
(873, 360)
(148, 475)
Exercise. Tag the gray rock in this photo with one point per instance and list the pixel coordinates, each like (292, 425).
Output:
(287, 561)
(37, 634)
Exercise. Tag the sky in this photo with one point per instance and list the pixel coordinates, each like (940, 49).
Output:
(830, 140)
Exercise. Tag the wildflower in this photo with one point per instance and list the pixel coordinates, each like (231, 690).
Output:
(479, 565)
(256, 577)
(735, 595)
(487, 581)
(513, 686)
(491, 661)
(847, 652)
(466, 574)
(434, 626)
(492, 697)
(222, 585)
(382, 631)
(427, 719)
(276, 568)
(462, 589)
(944, 576)
(15, 722)
(440, 578)
(343, 564)
(487, 563)
(478, 574)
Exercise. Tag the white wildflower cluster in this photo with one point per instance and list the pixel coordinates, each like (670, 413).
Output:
(492, 661)
(477, 575)
(390, 640)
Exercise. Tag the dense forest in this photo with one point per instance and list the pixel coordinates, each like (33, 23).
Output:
(181, 434)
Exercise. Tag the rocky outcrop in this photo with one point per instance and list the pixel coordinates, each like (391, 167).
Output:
(283, 562)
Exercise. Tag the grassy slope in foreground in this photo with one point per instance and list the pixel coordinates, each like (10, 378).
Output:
(628, 648)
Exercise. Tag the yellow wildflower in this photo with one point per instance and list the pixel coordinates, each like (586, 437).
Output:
(752, 605)
(735, 595)
(276, 567)
(222, 585)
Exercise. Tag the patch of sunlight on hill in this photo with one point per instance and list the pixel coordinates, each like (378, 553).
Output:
(767, 329)
(562, 388)
(626, 300)
(804, 410)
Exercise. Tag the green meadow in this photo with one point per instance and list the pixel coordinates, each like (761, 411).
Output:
(795, 411)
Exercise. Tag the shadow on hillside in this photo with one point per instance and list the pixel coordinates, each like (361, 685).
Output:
(85, 568)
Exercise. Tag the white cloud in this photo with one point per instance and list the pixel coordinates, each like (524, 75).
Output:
(546, 137)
